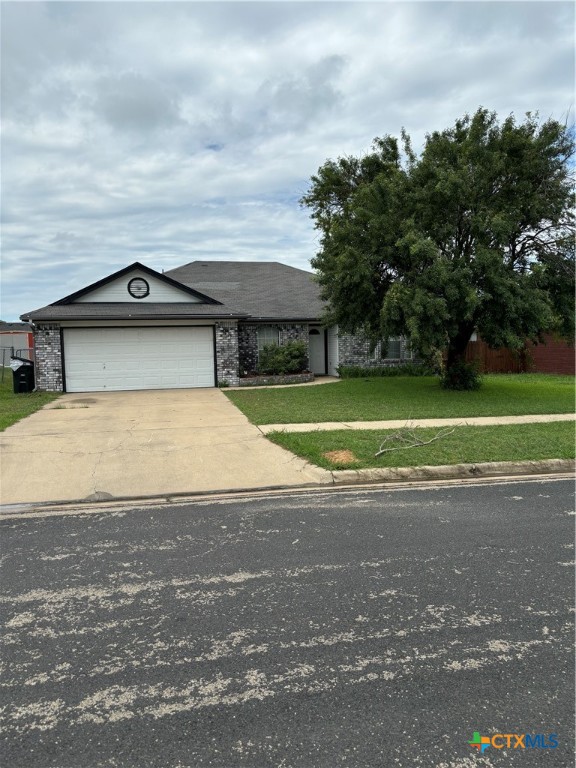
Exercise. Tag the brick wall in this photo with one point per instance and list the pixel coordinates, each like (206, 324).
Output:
(48, 351)
(247, 348)
(248, 341)
(293, 333)
(355, 350)
(227, 359)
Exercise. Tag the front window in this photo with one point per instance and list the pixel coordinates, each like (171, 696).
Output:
(267, 335)
(395, 350)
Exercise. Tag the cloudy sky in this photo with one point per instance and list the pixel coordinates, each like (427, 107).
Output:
(167, 132)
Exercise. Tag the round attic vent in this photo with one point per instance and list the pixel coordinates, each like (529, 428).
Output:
(138, 288)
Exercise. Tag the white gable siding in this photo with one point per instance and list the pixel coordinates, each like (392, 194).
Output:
(117, 291)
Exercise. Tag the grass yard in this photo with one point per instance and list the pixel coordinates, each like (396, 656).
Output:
(466, 445)
(406, 397)
(15, 407)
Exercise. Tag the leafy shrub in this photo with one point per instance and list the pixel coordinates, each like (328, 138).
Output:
(405, 369)
(461, 376)
(277, 361)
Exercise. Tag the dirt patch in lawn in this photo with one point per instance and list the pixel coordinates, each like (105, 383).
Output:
(340, 457)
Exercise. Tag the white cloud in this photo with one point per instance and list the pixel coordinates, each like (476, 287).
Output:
(165, 132)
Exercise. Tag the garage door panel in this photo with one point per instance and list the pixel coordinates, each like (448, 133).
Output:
(77, 367)
(108, 359)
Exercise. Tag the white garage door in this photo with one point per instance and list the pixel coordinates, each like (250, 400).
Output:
(108, 359)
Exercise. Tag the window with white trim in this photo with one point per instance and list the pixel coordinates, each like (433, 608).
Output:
(395, 350)
(267, 334)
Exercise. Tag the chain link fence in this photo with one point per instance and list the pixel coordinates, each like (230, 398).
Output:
(7, 353)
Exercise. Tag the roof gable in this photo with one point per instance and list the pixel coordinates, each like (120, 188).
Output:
(114, 289)
(260, 291)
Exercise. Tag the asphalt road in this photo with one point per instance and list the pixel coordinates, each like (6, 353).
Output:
(363, 628)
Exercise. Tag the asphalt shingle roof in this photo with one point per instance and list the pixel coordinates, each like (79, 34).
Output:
(14, 327)
(127, 310)
(245, 289)
(263, 290)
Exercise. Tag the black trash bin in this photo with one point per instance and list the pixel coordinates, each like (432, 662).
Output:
(23, 376)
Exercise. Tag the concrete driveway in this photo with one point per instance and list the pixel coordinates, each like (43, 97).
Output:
(131, 444)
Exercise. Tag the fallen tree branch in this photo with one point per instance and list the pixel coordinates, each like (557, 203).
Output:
(409, 436)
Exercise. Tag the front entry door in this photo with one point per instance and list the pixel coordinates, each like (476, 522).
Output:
(317, 351)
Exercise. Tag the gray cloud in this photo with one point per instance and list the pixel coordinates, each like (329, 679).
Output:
(295, 101)
(132, 102)
(170, 131)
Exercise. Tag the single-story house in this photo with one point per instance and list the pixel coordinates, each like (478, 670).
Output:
(199, 325)
(15, 339)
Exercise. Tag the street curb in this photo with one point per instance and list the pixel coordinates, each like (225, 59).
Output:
(453, 471)
(325, 480)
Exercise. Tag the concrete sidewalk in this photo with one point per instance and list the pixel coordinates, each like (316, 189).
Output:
(318, 380)
(138, 444)
(477, 421)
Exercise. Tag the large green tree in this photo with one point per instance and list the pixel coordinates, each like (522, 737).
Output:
(474, 233)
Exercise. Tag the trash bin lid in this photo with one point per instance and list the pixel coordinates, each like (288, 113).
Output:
(15, 364)
(21, 360)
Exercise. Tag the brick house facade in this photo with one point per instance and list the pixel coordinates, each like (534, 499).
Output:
(199, 325)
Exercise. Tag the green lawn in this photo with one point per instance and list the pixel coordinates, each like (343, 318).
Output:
(405, 397)
(15, 407)
(467, 445)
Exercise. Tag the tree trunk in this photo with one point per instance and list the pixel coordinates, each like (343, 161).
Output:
(457, 344)
(456, 352)
(456, 376)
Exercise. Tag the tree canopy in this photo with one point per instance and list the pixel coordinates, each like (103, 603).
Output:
(474, 233)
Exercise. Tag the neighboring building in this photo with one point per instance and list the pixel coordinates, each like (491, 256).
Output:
(15, 339)
(199, 325)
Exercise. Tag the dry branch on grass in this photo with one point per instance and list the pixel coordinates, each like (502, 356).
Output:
(409, 439)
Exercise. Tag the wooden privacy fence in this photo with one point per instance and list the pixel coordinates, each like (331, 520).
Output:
(495, 360)
(555, 356)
